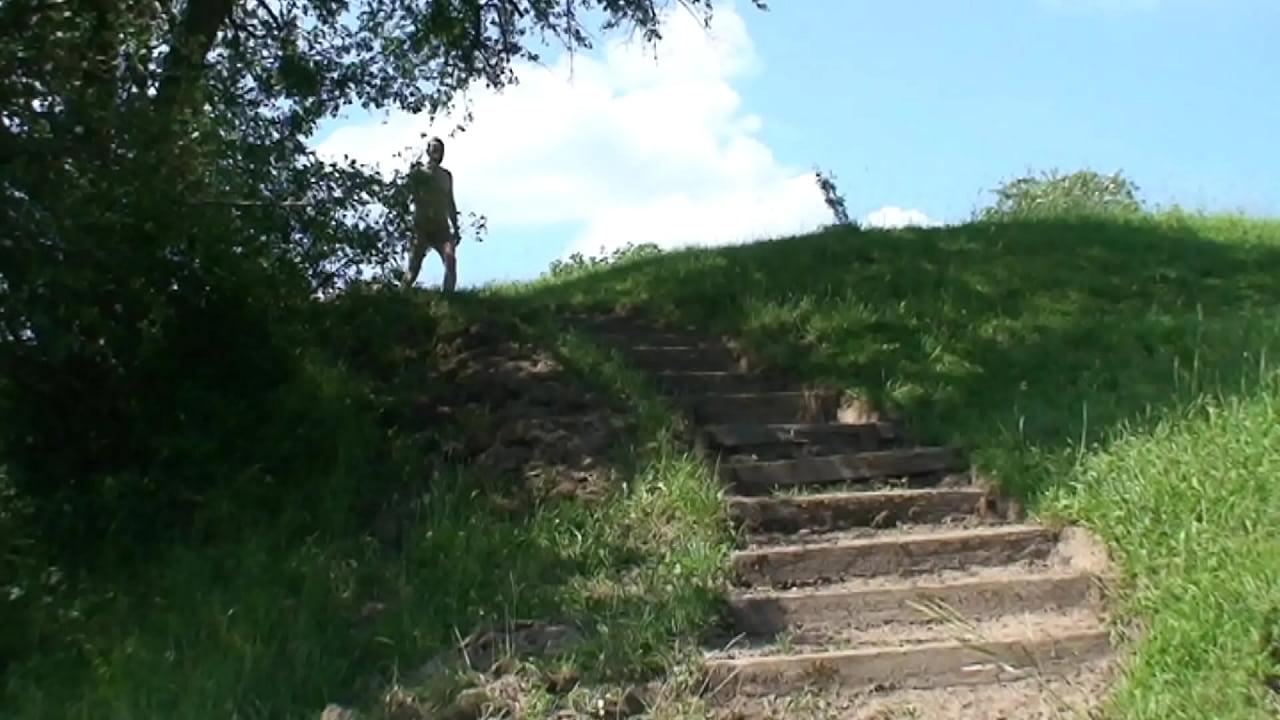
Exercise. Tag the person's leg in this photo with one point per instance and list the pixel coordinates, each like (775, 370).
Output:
(416, 253)
(448, 254)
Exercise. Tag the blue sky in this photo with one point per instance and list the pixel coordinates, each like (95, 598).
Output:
(917, 106)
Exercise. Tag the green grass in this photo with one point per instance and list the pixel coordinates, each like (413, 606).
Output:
(260, 612)
(1119, 373)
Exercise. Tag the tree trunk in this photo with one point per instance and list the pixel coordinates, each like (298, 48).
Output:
(182, 66)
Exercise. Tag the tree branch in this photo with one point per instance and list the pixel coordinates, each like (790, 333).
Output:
(252, 203)
(200, 24)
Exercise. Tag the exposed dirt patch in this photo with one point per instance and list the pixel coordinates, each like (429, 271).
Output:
(483, 650)
(529, 422)
(1084, 551)
(484, 398)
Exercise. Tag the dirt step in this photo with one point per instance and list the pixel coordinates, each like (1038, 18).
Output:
(806, 538)
(855, 606)
(996, 652)
(716, 382)
(757, 438)
(657, 359)
(914, 631)
(754, 478)
(917, 552)
(805, 406)
(1072, 693)
(829, 512)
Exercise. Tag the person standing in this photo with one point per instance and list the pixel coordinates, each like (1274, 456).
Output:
(435, 217)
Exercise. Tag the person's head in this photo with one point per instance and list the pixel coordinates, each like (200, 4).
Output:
(435, 150)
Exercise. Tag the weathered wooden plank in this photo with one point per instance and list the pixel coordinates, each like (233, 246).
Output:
(739, 435)
(906, 554)
(828, 512)
(756, 476)
(922, 666)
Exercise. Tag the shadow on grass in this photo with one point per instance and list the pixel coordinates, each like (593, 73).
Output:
(399, 533)
(999, 337)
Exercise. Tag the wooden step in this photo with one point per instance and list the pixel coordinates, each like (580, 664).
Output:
(829, 512)
(854, 605)
(1001, 658)
(757, 477)
(748, 436)
(794, 406)
(901, 554)
(1073, 694)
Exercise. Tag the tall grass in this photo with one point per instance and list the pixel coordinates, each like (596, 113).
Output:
(272, 615)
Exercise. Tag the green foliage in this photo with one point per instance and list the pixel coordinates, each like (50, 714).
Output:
(176, 393)
(1051, 194)
(167, 227)
(284, 597)
(576, 262)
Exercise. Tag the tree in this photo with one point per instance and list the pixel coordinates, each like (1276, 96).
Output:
(166, 225)
(1053, 194)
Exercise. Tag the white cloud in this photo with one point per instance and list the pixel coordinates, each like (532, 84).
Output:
(627, 148)
(892, 216)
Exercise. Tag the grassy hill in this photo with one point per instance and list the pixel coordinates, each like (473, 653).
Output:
(1116, 373)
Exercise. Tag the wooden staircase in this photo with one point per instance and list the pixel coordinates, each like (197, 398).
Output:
(874, 576)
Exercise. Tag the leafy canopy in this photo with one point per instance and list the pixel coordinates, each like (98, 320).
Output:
(167, 226)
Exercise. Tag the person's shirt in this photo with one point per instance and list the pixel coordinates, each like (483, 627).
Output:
(431, 187)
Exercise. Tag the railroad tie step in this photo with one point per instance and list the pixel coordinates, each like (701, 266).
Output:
(754, 478)
(975, 597)
(829, 512)
(766, 437)
(1002, 650)
(902, 554)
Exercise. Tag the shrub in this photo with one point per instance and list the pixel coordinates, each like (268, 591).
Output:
(1053, 194)
(577, 262)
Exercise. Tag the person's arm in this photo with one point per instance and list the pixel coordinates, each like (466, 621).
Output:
(410, 189)
(453, 208)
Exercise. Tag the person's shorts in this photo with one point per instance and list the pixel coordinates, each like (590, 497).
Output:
(432, 232)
